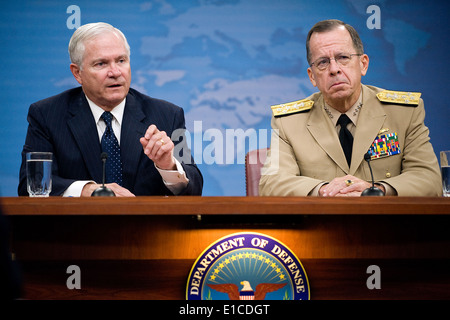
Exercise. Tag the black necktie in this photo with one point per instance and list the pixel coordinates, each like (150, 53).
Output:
(345, 137)
(110, 145)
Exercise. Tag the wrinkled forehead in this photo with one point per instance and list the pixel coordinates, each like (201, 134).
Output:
(331, 42)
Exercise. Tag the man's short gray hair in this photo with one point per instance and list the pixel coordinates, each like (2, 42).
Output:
(87, 32)
(329, 25)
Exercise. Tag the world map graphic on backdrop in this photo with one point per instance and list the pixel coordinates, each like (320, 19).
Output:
(224, 62)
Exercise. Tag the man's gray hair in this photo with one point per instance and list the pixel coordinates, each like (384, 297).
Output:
(87, 32)
(329, 25)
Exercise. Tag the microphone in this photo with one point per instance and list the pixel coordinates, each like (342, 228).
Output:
(372, 191)
(103, 191)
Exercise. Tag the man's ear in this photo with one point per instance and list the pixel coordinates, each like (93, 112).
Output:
(364, 63)
(311, 77)
(76, 72)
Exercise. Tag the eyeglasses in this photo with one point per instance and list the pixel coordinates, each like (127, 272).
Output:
(342, 59)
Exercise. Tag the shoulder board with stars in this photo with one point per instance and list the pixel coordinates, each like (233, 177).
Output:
(399, 97)
(292, 107)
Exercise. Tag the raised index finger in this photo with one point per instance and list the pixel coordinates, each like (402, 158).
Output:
(152, 129)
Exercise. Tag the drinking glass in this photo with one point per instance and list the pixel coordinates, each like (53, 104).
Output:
(445, 170)
(39, 173)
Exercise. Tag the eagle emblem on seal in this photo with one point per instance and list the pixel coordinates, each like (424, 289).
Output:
(246, 293)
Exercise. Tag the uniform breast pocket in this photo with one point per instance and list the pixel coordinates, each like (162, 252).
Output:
(387, 167)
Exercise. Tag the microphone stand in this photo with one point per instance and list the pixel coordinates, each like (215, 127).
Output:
(103, 191)
(372, 191)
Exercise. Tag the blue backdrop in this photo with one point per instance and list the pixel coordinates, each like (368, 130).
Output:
(224, 61)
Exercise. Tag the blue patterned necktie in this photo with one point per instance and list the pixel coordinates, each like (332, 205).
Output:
(110, 145)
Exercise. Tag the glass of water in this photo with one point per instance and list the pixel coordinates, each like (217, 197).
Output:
(39, 173)
(445, 170)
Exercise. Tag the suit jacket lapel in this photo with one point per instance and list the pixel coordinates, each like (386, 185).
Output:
(133, 128)
(370, 121)
(84, 130)
(322, 130)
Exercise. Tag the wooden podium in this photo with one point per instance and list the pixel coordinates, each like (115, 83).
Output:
(144, 247)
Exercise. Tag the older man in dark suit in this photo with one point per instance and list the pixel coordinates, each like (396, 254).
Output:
(143, 137)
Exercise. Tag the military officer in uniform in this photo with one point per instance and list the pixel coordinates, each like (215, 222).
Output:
(319, 143)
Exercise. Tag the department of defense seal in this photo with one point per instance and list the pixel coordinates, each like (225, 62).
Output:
(247, 266)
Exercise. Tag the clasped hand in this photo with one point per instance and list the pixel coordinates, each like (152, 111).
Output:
(339, 188)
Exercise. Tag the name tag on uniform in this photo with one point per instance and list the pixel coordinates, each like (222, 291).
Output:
(384, 145)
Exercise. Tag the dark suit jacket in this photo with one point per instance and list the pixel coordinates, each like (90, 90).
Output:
(64, 124)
